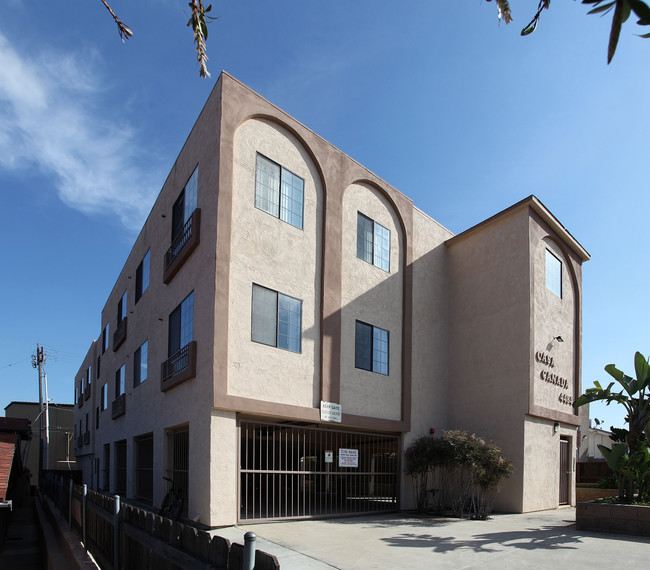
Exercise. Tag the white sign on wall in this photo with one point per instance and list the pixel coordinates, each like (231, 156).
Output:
(329, 456)
(348, 457)
(330, 412)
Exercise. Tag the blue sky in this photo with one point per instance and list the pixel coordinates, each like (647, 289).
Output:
(458, 112)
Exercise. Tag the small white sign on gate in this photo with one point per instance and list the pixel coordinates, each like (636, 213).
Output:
(329, 456)
(330, 412)
(348, 457)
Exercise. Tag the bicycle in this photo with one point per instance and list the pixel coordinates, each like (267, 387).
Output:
(172, 504)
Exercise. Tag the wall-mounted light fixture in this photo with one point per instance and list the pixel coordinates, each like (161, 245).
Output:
(556, 427)
(558, 338)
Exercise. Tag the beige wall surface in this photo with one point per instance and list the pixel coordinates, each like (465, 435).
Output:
(541, 464)
(224, 464)
(430, 335)
(555, 365)
(274, 254)
(374, 296)
(489, 295)
(148, 410)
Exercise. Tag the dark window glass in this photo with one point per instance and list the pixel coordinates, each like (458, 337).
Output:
(371, 348)
(181, 325)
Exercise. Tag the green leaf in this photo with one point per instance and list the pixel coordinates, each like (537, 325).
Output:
(614, 372)
(617, 21)
(616, 457)
(642, 369)
(603, 8)
(641, 9)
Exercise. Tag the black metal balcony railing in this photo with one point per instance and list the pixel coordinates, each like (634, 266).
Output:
(119, 336)
(182, 246)
(87, 391)
(86, 438)
(80, 441)
(179, 367)
(119, 406)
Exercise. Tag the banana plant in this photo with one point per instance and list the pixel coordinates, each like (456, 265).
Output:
(632, 393)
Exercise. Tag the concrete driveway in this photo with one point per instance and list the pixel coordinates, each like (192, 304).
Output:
(546, 539)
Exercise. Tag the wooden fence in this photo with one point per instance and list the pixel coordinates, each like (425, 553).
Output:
(123, 537)
(592, 471)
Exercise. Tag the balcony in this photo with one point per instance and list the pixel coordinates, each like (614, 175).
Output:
(86, 438)
(119, 336)
(80, 441)
(119, 406)
(182, 246)
(80, 401)
(87, 391)
(179, 367)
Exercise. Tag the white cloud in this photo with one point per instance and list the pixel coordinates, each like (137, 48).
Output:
(52, 119)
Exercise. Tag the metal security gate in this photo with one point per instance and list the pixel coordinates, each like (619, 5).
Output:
(565, 460)
(296, 471)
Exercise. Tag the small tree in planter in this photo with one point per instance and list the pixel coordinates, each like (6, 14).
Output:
(630, 460)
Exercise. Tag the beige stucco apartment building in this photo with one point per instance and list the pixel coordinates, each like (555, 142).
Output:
(287, 323)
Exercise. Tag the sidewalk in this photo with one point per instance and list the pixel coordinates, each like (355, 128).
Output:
(546, 539)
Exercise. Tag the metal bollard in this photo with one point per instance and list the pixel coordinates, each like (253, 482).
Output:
(83, 515)
(249, 551)
(116, 533)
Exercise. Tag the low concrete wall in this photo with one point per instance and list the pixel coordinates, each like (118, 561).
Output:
(623, 519)
(591, 493)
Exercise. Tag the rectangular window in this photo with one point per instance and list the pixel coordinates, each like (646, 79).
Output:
(279, 191)
(103, 400)
(120, 467)
(553, 274)
(185, 204)
(105, 335)
(140, 364)
(142, 277)
(277, 319)
(119, 381)
(97, 417)
(89, 375)
(99, 360)
(181, 325)
(121, 309)
(144, 468)
(371, 348)
(107, 466)
(373, 242)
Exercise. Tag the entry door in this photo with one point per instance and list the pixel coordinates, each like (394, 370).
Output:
(565, 461)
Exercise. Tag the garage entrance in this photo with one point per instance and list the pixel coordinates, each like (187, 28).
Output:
(289, 470)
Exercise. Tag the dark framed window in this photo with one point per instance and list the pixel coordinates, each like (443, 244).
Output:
(279, 191)
(105, 335)
(140, 359)
(371, 348)
(144, 467)
(373, 242)
(553, 273)
(276, 319)
(99, 360)
(120, 467)
(121, 309)
(120, 379)
(107, 466)
(142, 277)
(97, 417)
(181, 325)
(103, 400)
(185, 203)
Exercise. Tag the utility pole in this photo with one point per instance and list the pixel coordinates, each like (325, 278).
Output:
(38, 360)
